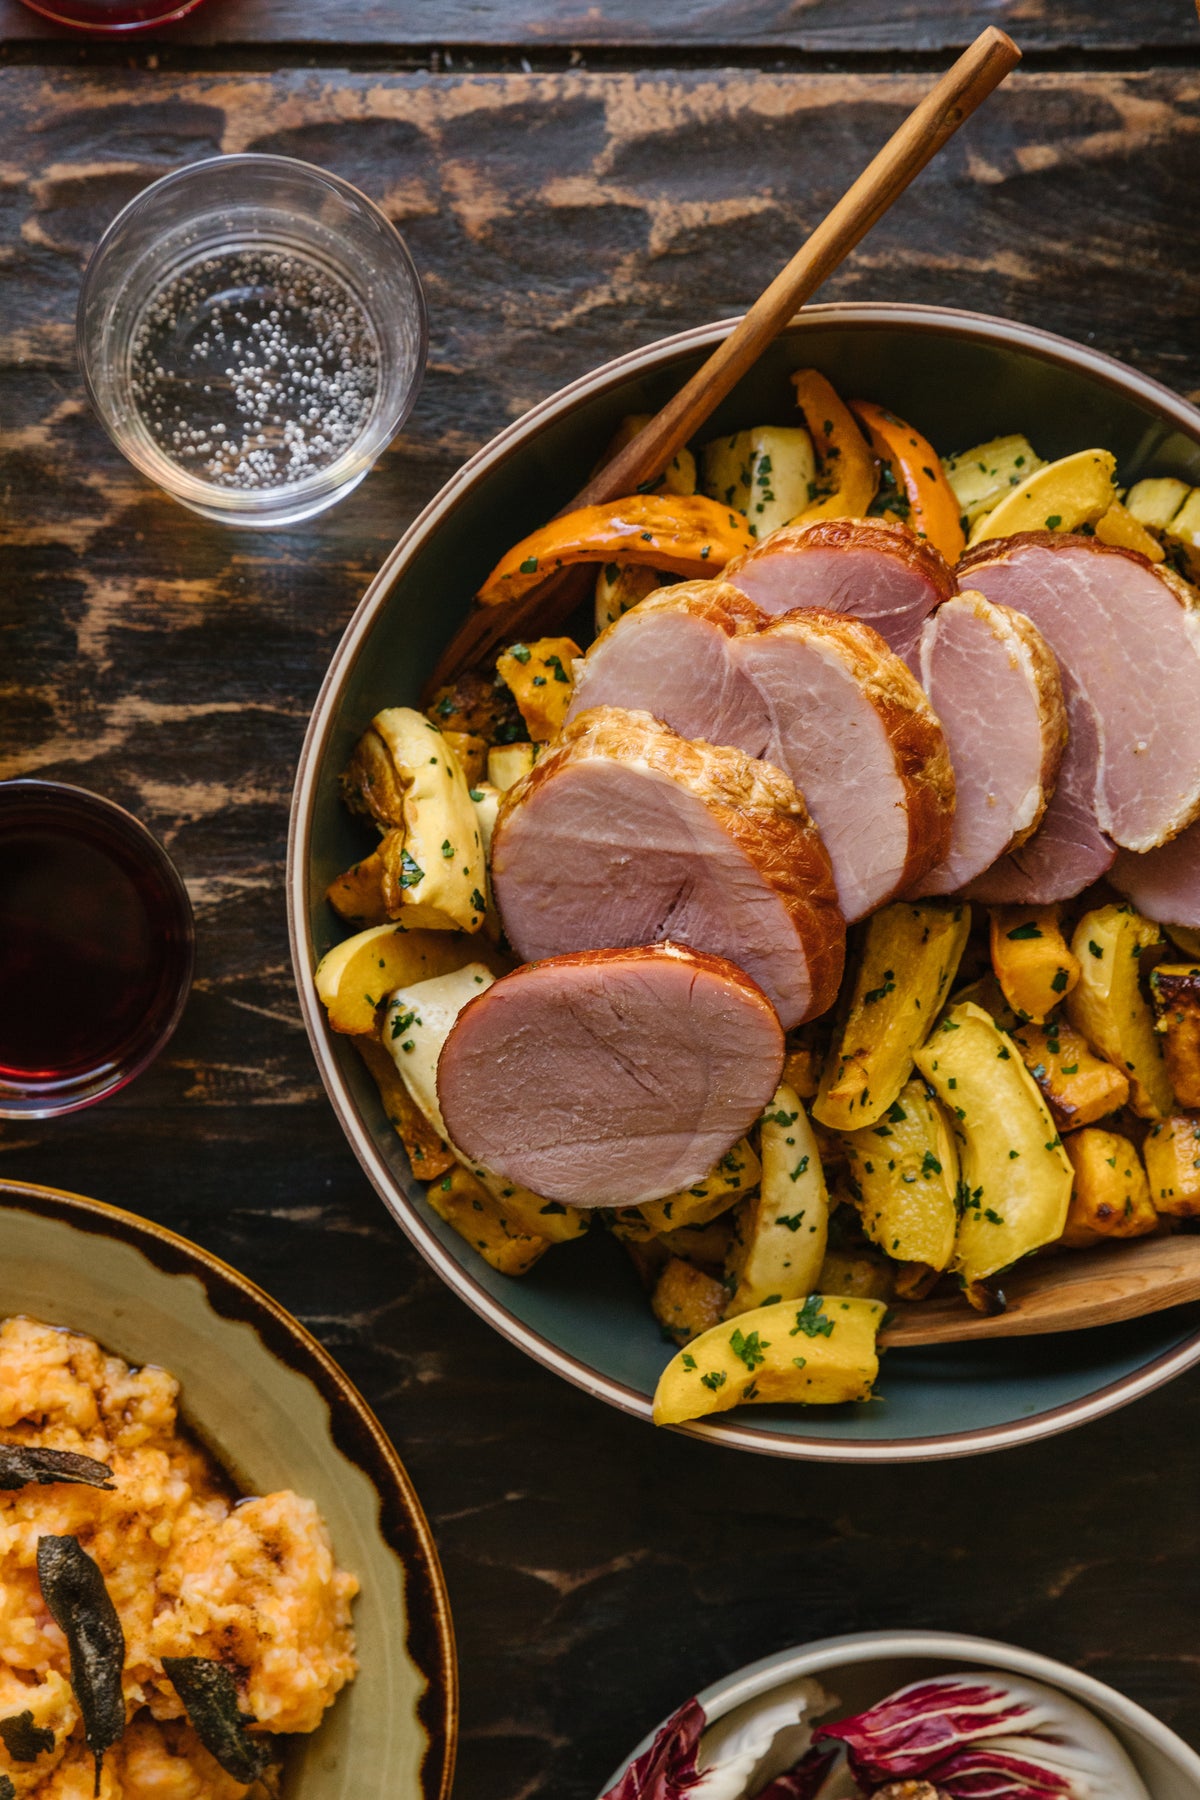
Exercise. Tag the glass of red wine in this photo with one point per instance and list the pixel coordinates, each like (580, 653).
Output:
(96, 948)
(112, 15)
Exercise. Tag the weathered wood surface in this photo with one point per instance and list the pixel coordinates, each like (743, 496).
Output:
(599, 1572)
(837, 27)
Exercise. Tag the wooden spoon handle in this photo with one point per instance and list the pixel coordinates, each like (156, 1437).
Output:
(1071, 1292)
(979, 70)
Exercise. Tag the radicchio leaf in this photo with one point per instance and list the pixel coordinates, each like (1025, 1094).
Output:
(806, 1780)
(987, 1737)
(668, 1768)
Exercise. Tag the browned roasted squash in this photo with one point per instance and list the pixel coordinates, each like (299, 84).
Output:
(1175, 993)
(686, 1300)
(467, 1206)
(1172, 1156)
(1109, 1008)
(1111, 1194)
(428, 1153)
(540, 677)
(1033, 964)
(1077, 1086)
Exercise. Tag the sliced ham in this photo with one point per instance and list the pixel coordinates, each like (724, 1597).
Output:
(1164, 883)
(1068, 851)
(994, 684)
(873, 569)
(817, 694)
(1127, 639)
(625, 834)
(610, 1077)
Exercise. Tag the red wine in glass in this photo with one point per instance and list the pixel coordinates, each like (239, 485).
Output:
(112, 15)
(96, 945)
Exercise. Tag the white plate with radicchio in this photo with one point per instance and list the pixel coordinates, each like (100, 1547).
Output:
(909, 1716)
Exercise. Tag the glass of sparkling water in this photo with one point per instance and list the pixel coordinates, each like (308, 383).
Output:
(252, 333)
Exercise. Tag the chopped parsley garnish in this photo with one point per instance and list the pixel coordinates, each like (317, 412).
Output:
(752, 1350)
(1029, 930)
(811, 1319)
(411, 871)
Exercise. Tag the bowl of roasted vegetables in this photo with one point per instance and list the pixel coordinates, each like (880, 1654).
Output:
(923, 1715)
(792, 958)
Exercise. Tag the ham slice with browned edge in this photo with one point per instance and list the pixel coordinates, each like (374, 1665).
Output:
(817, 694)
(610, 1077)
(626, 834)
(875, 570)
(1164, 883)
(994, 684)
(1127, 639)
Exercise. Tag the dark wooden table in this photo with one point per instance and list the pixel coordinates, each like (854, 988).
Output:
(573, 179)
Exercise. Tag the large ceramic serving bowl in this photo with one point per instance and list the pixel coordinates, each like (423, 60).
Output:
(278, 1413)
(865, 1667)
(960, 378)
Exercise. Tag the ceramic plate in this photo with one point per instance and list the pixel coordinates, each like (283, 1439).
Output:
(278, 1413)
(959, 378)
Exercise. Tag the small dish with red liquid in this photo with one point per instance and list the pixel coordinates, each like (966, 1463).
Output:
(112, 15)
(96, 948)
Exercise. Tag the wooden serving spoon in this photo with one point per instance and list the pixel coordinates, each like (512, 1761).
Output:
(1070, 1292)
(930, 125)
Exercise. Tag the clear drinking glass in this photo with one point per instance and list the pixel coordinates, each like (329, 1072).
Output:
(253, 334)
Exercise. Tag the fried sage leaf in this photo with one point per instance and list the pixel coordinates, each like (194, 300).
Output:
(7, 1790)
(24, 1740)
(209, 1693)
(81, 1606)
(21, 1465)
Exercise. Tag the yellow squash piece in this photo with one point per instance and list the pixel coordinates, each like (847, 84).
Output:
(509, 763)
(686, 1301)
(465, 1204)
(1015, 1177)
(357, 975)
(1119, 528)
(779, 1236)
(541, 679)
(419, 1019)
(848, 472)
(428, 1152)
(1175, 995)
(1172, 1156)
(912, 487)
(1033, 965)
(1108, 1006)
(1112, 1195)
(619, 589)
(737, 1173)
(1078, 1086)
(904, 1172)
(910, 952)
(1186, 939)
(679, 476)
(1156, 501)
(861, 1276)
(707, 1246)
(981, 476)
(688, 535)
(820, 1352)
(1060, 496)
(766, 473)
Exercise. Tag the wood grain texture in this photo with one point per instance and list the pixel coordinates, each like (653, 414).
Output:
(599, 1572)
(840, 27)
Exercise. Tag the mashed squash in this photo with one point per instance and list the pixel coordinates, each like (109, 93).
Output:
(191, 1570)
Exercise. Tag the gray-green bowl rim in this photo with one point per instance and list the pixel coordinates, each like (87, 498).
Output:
(824, 1655)
(352, 1425)
(730, 1429)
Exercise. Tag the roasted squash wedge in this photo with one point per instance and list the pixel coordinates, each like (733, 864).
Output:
(1111, 1198)
(862, 1277)
(981, 476)
(1175, 996)
(820, 1352)
(464, 1203)
(1108, 1006)
(909, 953)
(1033, 964)
(619, 589)
(1172, 1157)
(779, 1235)
(904, 1174)
(736, 1174)
(1015, 1177)
(913, 486)
(847, 468)
(1078, 1086)
(541, 679)
(428, 1151)
(356, 976)
(686, 1301)
(767, 473)
(509, 763)
(1060, 496)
